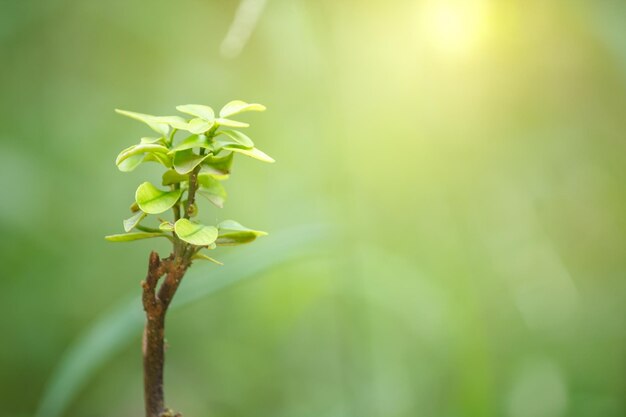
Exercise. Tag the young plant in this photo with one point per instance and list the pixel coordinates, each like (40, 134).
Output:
(194, 166)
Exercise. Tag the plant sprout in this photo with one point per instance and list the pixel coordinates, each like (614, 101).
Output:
(195, 165)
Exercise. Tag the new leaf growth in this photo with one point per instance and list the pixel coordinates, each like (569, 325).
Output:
(194, 165)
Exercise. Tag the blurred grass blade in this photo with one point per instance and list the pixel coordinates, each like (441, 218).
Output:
(122, 325)
(246, 18)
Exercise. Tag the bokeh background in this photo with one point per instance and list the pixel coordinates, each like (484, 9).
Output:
(452, 174)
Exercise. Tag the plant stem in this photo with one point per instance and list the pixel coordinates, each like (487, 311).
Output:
(153, 361)
(155, 306)
(176, 207)
(193, 187)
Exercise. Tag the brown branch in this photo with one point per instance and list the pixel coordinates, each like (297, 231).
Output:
(172, 281)
(156, 304)
(153, 336)
(155, 271)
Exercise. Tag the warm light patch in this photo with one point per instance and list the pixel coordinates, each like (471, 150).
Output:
(453, 27)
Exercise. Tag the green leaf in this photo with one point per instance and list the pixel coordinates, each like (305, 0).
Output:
(218, 165)
(131, 163)
(230, 123)
(151, 200)
(185, 161)
(238, 106)
(131, 222)
(128, 237)
(253, 153)
(195, 233)
(211, 189)
(140, 150)
(152, 121)
(176, 122)
(232, 137)
(193, 141)
(198, 110)
(232, 233)
(166, 226)
(161, 158)
(198, 126)
(160, 141)
(172, 177)
(204, 257)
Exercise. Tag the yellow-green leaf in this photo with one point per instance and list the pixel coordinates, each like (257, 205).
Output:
(127, 237)
(160, 141)
(238, 106)
(195, 233)
(152, 121)
(197, 110)
(172, 177)
(185, 161)
(253, 153)
(129, 164)
(232, 137)
(198, 126)
(151, 200)
(176, 122)
(232, 233)
(131, 222)
(204, 257)
(193, 141)
(162, 158)
(211, 189)
(166, 227)
(140, 149)
(230, 123)
(218, 165)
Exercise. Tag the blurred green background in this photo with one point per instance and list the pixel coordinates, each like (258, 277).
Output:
(467, 160)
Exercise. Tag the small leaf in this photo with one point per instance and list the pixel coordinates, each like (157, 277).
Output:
(253, 153)
(204, 257)
(160, 141)
(127, 237)
(198, 126)
(195, 233)
(154, 201)
(161, 158)
(166, 227)
(185, 161)
(140, 149)
(172, 177)
(198, 110)
(131, 163)
(232, 137)
(151, 121)
(131, 222)
(176, 122)
(193, 141)
(232, 233)
(218, 165)
(238, 106)
(211, 189)
(230, 123)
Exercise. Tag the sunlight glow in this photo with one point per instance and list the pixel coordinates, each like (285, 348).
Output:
(454, 27)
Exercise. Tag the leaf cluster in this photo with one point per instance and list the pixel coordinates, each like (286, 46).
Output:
(197, 164)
